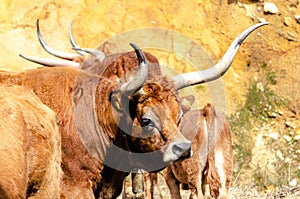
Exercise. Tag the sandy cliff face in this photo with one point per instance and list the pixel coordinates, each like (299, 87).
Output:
(211, 24)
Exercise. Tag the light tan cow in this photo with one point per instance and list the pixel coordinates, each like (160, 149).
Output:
(30, 145)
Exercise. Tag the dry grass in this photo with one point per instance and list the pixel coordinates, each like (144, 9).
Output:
(235, 192)
(251, 192)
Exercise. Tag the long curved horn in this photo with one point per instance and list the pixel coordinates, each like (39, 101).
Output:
(73, 43)
(96, 53)
(82, 51)
(52, 51)
(199, 77)
(50, 62)
(130, 88)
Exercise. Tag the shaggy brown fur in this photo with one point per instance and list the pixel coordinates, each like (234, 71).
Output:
(122, 65)
(29, 144)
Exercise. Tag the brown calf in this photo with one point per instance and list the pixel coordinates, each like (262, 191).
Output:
(211, 162)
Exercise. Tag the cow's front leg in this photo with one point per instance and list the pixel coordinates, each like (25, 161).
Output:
(172, 183)
(151, 186)
(196, 193)
(148, 185)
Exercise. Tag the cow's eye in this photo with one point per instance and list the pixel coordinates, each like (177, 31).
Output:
(147, 122)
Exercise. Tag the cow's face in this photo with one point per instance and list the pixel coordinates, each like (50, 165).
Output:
(155, 112)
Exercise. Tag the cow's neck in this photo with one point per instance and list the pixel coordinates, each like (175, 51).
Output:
(119, 155)
(86, 122)
(113, 151)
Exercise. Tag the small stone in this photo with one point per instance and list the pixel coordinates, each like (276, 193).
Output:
(291, 36)
(280, 112)
(258, 9)
(261, 20)
(270, 8)
(273, 115)
(260, 86)
(287, 138)
(293, 182)
(273, 135)
(279, 154)
(290, 124)
(297, 18)
(240, 4)
(287, 21)
(297, 137)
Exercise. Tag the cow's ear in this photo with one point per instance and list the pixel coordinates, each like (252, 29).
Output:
(209, 112)
(116, 99)
(187, 103)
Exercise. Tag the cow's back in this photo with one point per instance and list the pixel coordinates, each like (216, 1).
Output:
(55, 87)
(29, 144)
(51, 85)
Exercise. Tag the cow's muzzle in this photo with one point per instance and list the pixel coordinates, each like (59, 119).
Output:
(178, 151)
(183, 150)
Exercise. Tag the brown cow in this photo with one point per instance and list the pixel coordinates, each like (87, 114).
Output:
(119, 139)
(30, 146)
(211, 162)
(117, 117)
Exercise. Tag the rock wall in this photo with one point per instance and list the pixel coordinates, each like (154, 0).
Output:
(211, 24)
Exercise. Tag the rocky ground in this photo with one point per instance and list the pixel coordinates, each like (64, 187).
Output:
(265, 71)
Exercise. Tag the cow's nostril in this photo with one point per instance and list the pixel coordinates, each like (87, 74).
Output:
(177, 149)
(182, 150)
(187, 153)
